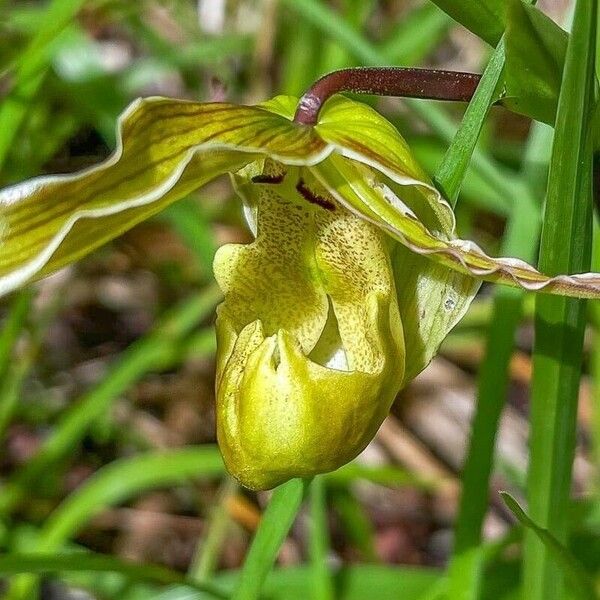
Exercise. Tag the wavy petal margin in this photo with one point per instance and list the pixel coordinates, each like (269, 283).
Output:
(363, 192)
(166, 149)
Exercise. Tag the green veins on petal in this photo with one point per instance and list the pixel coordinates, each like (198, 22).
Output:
(355, 276)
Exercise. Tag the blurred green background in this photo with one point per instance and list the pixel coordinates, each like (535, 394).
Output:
(106, 369)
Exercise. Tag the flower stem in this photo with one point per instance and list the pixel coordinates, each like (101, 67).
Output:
(430, 84)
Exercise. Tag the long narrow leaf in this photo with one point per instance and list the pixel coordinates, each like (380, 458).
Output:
(13, 564)
(319, 542)
(484, 17)
(580, 580)
(535, 58)
(115, 483)
(158, 349)
(560, 322)
(452, 171)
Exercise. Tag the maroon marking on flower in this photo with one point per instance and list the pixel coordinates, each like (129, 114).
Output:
(313, 198)
(268, 178)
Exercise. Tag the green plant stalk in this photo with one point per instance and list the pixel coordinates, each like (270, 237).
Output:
(560, 323)
(272, 531)
(466, 567)
(319, 542)
(595, 364)
(156, 350)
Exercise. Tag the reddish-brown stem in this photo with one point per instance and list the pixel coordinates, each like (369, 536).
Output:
(432, 84)
(429, 84)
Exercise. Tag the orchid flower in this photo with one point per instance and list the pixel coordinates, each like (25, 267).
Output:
(354, 278)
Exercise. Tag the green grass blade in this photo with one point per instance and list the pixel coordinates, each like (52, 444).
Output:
(355, 522)
(299, 69)
(466, 567)
(581, 582)
(13, 372)
(521, 239)
(10, 388)
(124, 479)
(334, 56)
(13, 564)
(192, 225)
(209, 548)
(319, 542)
(114, 484)
(329, 23)
(272, 531)
(417, 35)
(14, 367)
(388, 475)
(506, 183)
(560, 323)
(451, 173)
(158, 349)
(13, 326)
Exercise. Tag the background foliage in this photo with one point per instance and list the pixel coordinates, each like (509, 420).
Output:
(111, 485)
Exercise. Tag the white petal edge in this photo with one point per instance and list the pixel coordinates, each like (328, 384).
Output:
(587, 284)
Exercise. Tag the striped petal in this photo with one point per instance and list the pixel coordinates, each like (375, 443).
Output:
(166, 149)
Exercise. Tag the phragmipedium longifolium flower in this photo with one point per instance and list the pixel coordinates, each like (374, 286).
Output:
(353, 280)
